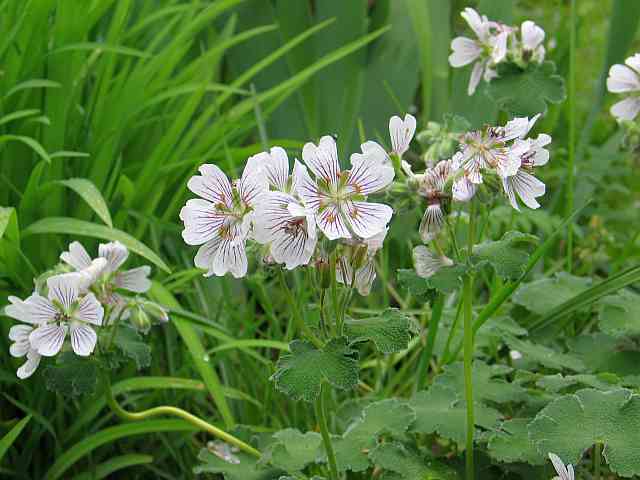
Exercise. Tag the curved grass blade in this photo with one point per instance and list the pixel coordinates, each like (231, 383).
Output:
(33, 83)
(30, 142)
(18, 115)
(9, 438)
(90, 194)
(105, 469)
(102, 47)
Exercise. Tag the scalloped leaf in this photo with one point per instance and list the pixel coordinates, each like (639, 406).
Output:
(248, 467)
(294, 450)
(524, 93)
(401, 463)
(510, 443)
(133, 346)
(390, 332)
(506, 255)
(620, 314)
(573, 423)
(541, 296)
(300, 373)
(544, 355)
(71, 375)
(556, 383)
(386, 416)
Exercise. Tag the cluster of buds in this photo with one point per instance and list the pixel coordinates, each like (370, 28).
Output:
(495, 43)
(77, 297)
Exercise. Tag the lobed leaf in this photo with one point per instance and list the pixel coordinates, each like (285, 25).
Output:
(510, 443)
(71, 375)
(409, 464)
(620, 314)
(506, 255)
(390, 332)
(133, 346)
(293, 450)
(541, 296)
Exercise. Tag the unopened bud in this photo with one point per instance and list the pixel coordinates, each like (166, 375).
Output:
(157, 312)
(139, 319)
(324, 273)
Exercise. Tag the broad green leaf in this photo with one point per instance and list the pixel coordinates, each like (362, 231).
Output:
(510, 443)
(558, 382)
(246, 468)
(300, 373)
(507, 255)
(390, 416)
(7, 440)
(390, 332)
(90, 194)
(71, 375)
(133, 346)
(72, 226)
(440, 410)
(446, 280)
(544, 355)
(294, 450)
(620, 314)
(604, 353)
(408, 464)
(573, 423)
(524, 93)
(540, 296)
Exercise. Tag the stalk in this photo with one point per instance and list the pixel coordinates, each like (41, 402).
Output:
(436, 314)
(572, 131)
(304, 328)
(324, 431)
(597, 458)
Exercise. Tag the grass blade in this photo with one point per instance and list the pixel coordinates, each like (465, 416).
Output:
(9, 438)
(90, 194)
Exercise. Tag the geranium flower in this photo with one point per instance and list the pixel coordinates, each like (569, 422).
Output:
(220, 221)
(401, 133)
(338, 198)
(487, 50)
(361, 255)
(281, 218)
(431, 187)
(625, 79)
(532, 38)
(523, 183)
(427, 263)
(64, 309)
(564, 473)
(19, 335)
(462, 189)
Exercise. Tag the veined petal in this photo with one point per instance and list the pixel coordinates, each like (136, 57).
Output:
(275, 164)
(478, 24)
(115, 253)
(427, 263)
(77, 256)
(634, 62)
(83, 339)
(365, 276)
(499, 50)
(48, 339)
(465, 51)
(532, 35)
(516, 128)
(63, 288)
(29, 367)
(225, 253)
(25, 310)
(401, 132)
(622, 79)
(202, 220)
(332, 222)
(374, 148)
(564, 473)
(366, 218)
(526, 186)
(19, 334)
(88, 276)
(89, 310)
(212, 185)
(253, 183)
(463, 190)
(476, 75)
(312, 196)
(626, 109)
(431, 222)
(368, 174)
(323, 159)
(135, 279)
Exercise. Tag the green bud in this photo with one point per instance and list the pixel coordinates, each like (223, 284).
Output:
(139, 319)
(157, 312)
(324, 272)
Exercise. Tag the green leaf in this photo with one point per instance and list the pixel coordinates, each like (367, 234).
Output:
(72, 226)
(604, 353)
(544, 355)
(8, 224)
(440, 410)
(541, 296)
(445, 280)
(114, 464)
(133, 345)
(573, 423)
(294, 450)
(7, 440)
(524, 93)
(620, 314)
(408, 464)
(71, 375)
(558, 382)
(247, 467)
(390, 332)
(506, 255)
(33, 83)
(90, 194)
(386, 416)
(30, 142)
(300, 373)
(510, 443)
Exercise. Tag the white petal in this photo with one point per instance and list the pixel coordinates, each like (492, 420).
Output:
(30, 366)
(622, 79)
(558, 465)
(332, 222)
(77, 256)
(311, 195)
(499, 51)
(48, 339)
(368, 219)
(135, 279)
(375, 242)
(365, 277)
(115, 253)
(477, 23)
(526, 186)
(532, 35)
(464, 52)
(19, 334)
(517, 128)
(431, 222)
(41, 310)
(89, 310)
(402, 132)
(202, 220)
(427, 263)
(368, 174)
(253, 183)
(626, 109)
(230, 257)
(323, 159)
(634, 62)
(212, 185)
(83, 339)
(476, 75)
(463, 190)
(376, 150)
(24, 310)
(275, 164)
(90, 274)
(63, 288)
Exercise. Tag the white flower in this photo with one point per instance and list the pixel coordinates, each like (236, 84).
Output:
(626, 79)
(365, 274)
(564, 473)
(19, 335)
(532, 38)
(432, 187)
(281, 219)
(462, 189)
(62, 310)
(401, 133)
(338, 197)
(428, 263)
(220, 221)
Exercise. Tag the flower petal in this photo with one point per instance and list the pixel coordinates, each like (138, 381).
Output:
(83, 339)
(202, 220)
(224, 253)
(526, 186)
(465, 51)
(77, 256)
(253, 183)
(427, 263)
(23, 310)
(499, 51)
(323, 159)
(212, 185)
(64, 288)
(48, 339)
(89, 310)
(375, 149)
(275, 164)
(29, 367)
(368, 219)
(88, 276)
(626, 109)
(532, 35)
(478, 24)
(19, 334)
(463, 190)
(476, 75)
(331, 221)
(622, 79)
(115, 253)
(311, 194)
(135, 279)
(368, 174)
(634, 62)
(431, 222)
(401, 132)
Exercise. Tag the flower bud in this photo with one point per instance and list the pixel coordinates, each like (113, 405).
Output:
(139, 319)
(324, 272)
(157, 312)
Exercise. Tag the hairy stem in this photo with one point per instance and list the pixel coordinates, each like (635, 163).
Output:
(324, 430)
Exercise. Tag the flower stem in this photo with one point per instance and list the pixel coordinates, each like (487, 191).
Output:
(324, 431)
(436, 314)
(176, 412)
(304, 328)
(597, 458)
(572, 131)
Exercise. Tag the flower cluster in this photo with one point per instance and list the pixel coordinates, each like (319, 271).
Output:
(495, 43)
(95, 293)
(626, 79)
(286, 209)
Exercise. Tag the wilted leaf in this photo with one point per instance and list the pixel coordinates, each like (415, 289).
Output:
(390, 331)
(133, 346)
(409, 465)
(510, 443)
(540, 296)
(300, 373)
(573, 423)
(507, 255)
(620, 314)
(71, 375)
(294, 450)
